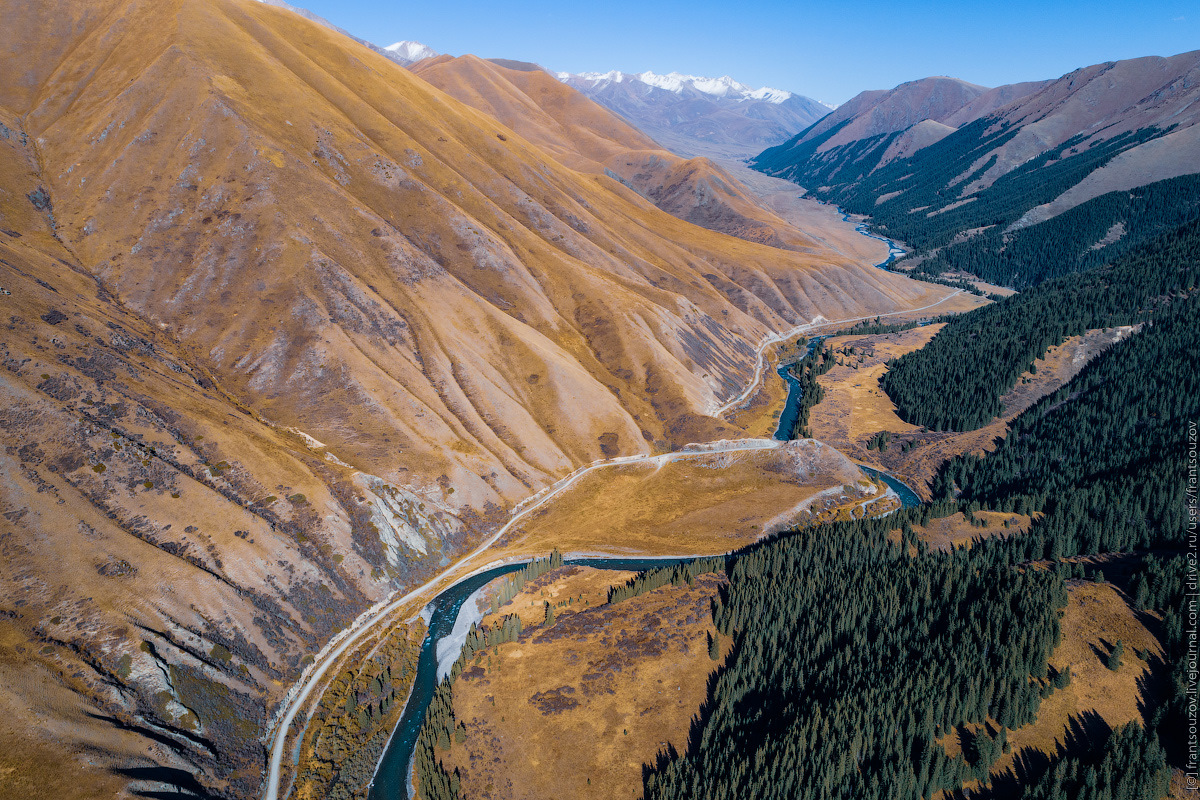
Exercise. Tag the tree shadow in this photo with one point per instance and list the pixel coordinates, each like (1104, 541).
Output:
(184, 783)
(1086, 733)
(664, 758)
(1104, 653)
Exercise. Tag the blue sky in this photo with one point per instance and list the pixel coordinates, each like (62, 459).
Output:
(829, 51)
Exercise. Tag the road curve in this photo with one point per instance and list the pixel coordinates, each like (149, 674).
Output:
(298, 696)
(328, 656)
(817, 321)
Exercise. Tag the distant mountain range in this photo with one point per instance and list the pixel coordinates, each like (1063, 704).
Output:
(957, 170)
(693, 115)
(406, 53)
(690, 115)
(588, 137)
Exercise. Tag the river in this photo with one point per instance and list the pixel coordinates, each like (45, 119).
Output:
(791, 409)
(894, 251)
(392, 777)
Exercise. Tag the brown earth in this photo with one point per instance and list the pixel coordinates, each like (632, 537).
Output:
(855, 408)
(1093, 103)
(876, 112)
(820, 221)
(577, 587)
(946, 533)
(584, 135)
(576, 708)
(759, 414)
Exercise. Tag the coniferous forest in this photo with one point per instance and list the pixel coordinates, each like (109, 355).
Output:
(956, 381)
(859, 655)
(853, 658)
(865, 664)
(856, 655)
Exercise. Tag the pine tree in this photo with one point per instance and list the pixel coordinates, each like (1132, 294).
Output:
(1113, 659)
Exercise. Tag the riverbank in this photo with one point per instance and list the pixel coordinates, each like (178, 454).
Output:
(297, 698)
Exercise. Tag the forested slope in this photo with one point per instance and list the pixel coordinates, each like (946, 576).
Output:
(853, 653)
(1049, 179)
(956, 381)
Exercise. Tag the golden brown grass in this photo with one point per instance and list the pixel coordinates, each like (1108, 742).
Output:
(576, 709)
(260, 225)
(703, 504)
(49, 748)
(1097, 615)
(955, 530)
(759, 415)
(585, 136)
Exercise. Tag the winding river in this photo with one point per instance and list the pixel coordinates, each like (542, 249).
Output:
(392, 778)
(894, 251)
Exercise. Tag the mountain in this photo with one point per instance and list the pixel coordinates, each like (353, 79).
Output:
(970, 177)
(588, 137)
(288, 329)
(693, 115)
(927, 109)
(406, 53)
(403, 53)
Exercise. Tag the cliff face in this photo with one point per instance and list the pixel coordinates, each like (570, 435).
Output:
(285, 329)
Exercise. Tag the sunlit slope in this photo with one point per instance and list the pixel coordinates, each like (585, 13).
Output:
(585, 136)
(575, 130)
(398, 274)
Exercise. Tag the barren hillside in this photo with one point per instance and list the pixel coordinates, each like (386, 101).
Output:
(287, 328)
(588, 137)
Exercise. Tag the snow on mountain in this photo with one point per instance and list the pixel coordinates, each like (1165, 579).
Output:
(694, 115)
(677, 82)
(411, 52)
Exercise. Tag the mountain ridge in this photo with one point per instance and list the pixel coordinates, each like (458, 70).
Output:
(590, 138)
(288, 329)
(1021, 156)
(700, 116)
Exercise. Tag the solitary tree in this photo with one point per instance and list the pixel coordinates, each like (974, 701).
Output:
(1113, 661)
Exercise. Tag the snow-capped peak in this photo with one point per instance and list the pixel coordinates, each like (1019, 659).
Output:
(613, 76)
(677, 82)
(411, 51)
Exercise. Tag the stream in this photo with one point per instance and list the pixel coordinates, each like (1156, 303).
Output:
(395, 768)
(791, 409)
(894, 251)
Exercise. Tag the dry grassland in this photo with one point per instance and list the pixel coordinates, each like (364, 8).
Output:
(704, 504)
(955, 530)
(576, 708)
(1097, 699)
(759, 415)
